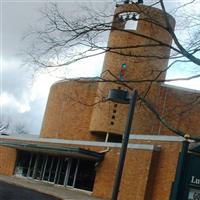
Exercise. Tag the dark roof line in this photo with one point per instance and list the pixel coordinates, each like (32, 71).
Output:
(68, 151)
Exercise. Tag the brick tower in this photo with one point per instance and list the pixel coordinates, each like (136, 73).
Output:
(139, 51)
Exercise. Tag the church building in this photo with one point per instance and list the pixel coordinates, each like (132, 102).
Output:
(82, 132)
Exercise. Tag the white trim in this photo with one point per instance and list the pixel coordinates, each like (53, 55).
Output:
(165, 138)
(144, 147)
(79, 79)
(85, 143)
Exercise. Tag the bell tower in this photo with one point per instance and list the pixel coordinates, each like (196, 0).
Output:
(139, 49)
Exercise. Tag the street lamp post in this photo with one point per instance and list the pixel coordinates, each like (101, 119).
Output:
(121, 96)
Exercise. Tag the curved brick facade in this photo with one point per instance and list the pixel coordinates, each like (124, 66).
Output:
(68, 110)
(143, 62)
(66, 115)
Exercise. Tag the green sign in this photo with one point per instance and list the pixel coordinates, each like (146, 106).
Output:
(193, 178)
(187, 182)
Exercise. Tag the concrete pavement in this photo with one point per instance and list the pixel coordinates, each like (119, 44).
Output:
(13, 192)
(48, 188)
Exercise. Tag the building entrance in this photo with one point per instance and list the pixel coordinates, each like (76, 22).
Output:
(61, 170)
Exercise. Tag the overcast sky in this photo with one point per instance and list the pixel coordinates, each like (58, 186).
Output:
(23, 98)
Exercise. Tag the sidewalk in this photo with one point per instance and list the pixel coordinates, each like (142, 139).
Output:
(48, 188)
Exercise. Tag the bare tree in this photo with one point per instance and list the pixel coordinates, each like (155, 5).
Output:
(4, 127)
(9, 127)
(65, 40)
(20, 129)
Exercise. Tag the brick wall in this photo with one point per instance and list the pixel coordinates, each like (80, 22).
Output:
(7, 160)
(147, 175)
(68, 110)
(143, 63)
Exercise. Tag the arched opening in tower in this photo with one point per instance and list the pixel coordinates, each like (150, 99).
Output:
(130, 20)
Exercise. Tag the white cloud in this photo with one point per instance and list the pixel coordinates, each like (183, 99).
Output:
(9, 101)
(86, 68)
